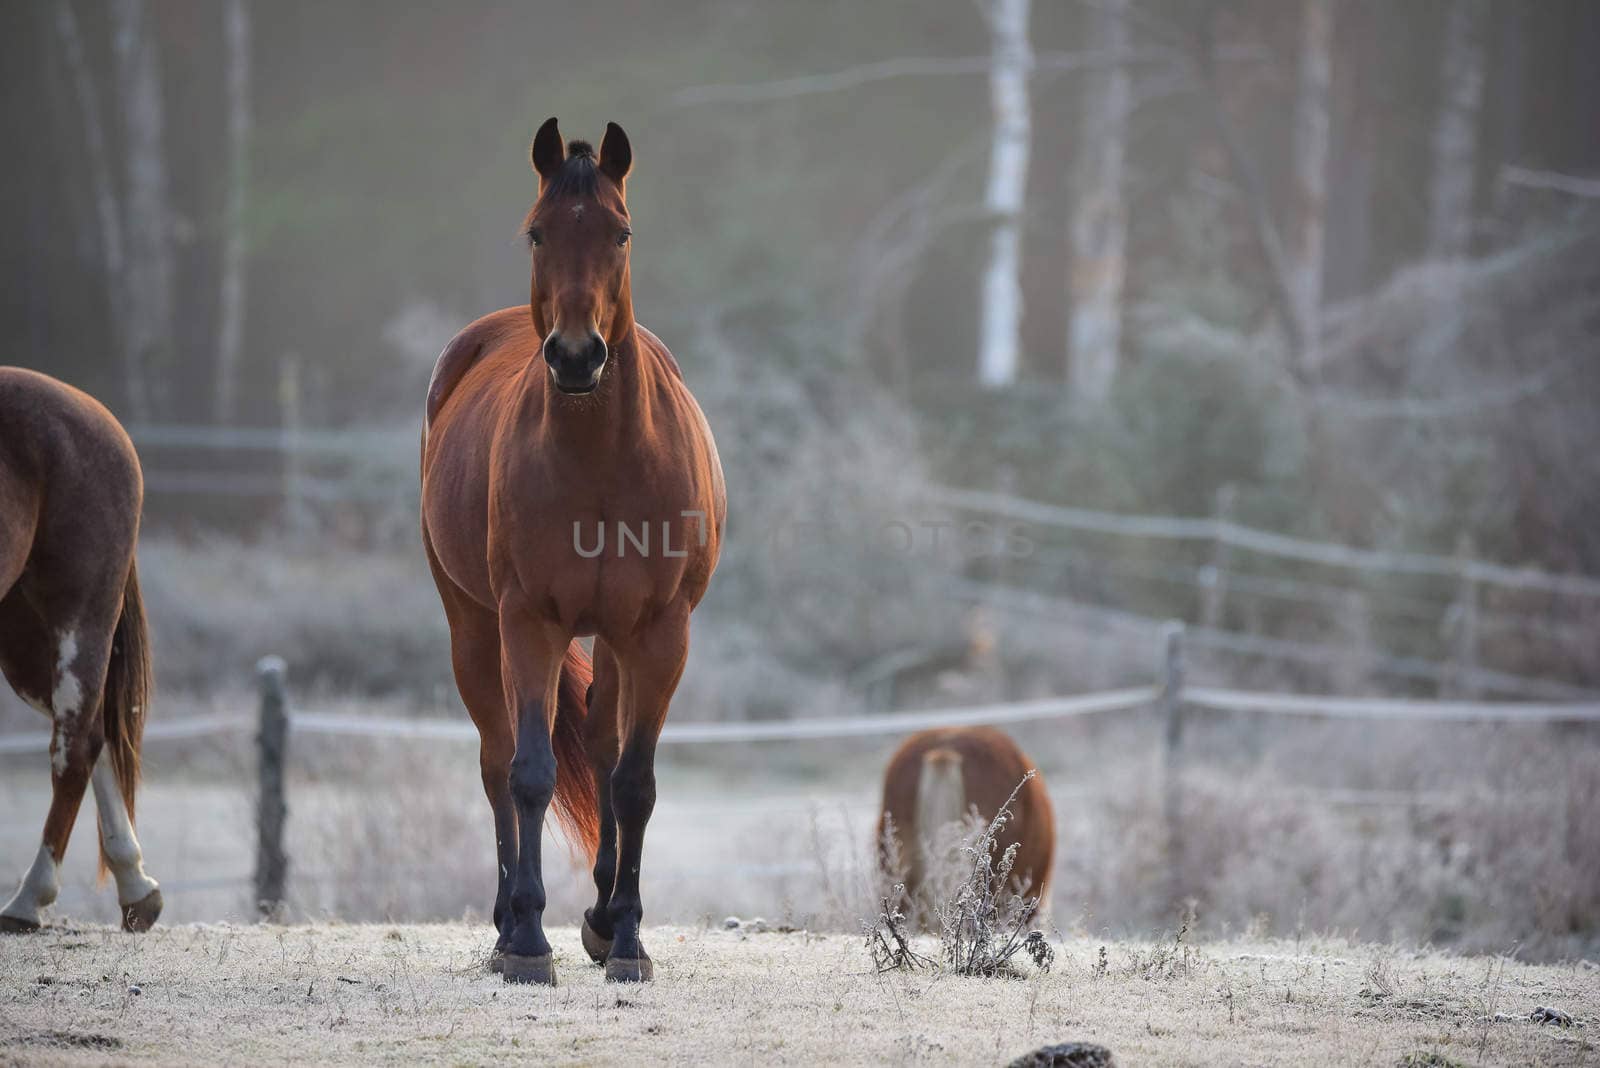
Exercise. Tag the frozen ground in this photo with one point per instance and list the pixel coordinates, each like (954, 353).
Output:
(221, 993)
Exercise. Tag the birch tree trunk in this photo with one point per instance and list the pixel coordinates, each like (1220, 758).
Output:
(1455, 133)
(1099, 215)
(1309, 190)
(1011, 60)
(108, 221)
(147, 314)
(230, 320)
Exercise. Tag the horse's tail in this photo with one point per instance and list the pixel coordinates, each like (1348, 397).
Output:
(577, 802)
(127, 695)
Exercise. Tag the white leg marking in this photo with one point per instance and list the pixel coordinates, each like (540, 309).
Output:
(941, 800)
(116, 836)
(38, 889)
(67, 699)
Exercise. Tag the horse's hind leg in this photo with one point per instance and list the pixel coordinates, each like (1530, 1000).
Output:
(76, 670)
(138, 895)
(601, 728)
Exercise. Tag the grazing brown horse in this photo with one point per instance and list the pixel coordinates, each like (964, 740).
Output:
(937, 776)
(73, 642)
(551, 428)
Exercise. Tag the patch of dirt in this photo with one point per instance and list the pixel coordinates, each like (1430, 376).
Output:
(70, 1040)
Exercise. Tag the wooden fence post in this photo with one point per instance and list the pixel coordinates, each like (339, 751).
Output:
(1172, 760)
(272, 865)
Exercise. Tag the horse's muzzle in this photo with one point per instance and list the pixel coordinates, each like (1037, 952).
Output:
(575, 363)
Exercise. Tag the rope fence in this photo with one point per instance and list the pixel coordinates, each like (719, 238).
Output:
(277, 723)
(1265, 542)
(1028, 602)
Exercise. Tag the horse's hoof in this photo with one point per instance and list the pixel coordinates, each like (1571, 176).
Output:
(140, 916)
(14, 925)
(541, 970)
(629, 971)
(598, 948)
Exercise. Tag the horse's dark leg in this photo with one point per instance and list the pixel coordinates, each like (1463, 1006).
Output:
(532, 671)
(533, 783)
(475, 658)
(601, 725)
(651, 670)
(633, 793)
(497, 786)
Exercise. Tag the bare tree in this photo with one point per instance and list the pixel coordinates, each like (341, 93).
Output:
(1354, 156)
(1435, 355)
(230, 322)
(1010, 62)
(1099, 215)
(1264, 226)
(107, 218)
(147, 315)
(1309, 178)
(1455, 131)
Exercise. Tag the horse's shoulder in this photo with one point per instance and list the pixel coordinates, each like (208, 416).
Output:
(465, 349)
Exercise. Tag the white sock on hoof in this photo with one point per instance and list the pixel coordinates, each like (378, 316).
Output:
(117, 838)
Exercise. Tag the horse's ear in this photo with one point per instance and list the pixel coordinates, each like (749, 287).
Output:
(616, 155)
(547, 153)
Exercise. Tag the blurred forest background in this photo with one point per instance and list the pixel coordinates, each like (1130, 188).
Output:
(1340, 257)
(1328, 268)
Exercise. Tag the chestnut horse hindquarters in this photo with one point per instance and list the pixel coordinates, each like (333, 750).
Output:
(73, 636)
(981, 766)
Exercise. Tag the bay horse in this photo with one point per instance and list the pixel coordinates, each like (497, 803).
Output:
(546, 426)
(73, 640)
(935, 778)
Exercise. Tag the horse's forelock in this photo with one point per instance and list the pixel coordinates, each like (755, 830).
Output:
(578, 176)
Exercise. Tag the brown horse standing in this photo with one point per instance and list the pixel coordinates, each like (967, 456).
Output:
(73, 642)
(936, 776)
(570, 487)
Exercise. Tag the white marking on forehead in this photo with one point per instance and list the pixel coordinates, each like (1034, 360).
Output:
(577, 211)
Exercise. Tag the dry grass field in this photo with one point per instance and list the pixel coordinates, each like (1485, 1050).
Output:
(215, 994)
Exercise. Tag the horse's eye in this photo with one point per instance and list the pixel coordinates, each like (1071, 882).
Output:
(535, 238)
(622, 238)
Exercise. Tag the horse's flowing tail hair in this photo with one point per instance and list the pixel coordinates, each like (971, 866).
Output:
(577, 800)
(127, 695)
